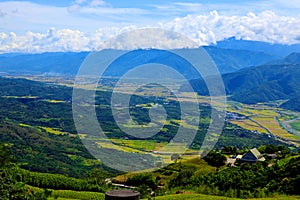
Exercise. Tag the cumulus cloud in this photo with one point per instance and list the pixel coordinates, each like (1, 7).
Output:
(53, 40)
(148, 38)
(202, 29)
(266, 26)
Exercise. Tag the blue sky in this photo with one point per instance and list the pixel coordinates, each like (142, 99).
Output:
(84, 15)
(205, 21)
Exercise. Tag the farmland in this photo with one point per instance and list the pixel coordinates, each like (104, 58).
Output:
(296, 125)
(264, 119)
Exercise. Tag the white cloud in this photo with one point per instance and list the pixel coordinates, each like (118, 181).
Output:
(203, 29)
(266, 26)
(148, 38)
(53, 40)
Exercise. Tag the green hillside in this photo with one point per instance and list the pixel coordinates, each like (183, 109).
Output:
(292, 104)
(258, 84)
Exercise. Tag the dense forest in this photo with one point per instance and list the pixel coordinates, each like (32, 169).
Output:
(277, 80)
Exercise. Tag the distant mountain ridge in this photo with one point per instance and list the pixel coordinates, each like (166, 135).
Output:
(227, 60)
(229, 55)
(292, 58)
(54, 62)
(282, 50)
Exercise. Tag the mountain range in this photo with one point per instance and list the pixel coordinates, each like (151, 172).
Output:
(281, 50)
(226, 59)
(252, 71)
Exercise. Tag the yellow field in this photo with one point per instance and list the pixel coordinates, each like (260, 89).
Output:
(273, 126)
(54, 131)
(55, 101)
(249, 125)
(144, 145)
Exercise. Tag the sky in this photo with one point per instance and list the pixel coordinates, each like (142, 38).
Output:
(82, 25)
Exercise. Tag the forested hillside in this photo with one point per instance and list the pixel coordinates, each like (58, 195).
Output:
(259, 84)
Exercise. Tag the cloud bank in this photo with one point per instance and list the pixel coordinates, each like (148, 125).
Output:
(203, 29)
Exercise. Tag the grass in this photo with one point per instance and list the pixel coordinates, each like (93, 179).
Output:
(286, 160)
(209, 197)
(69, 194)
(192, 196)
(81, 195)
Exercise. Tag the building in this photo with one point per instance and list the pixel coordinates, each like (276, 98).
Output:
(253, 155)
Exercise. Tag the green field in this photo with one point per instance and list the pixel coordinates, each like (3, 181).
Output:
(209, 197)
(296, 125)
(68, 194)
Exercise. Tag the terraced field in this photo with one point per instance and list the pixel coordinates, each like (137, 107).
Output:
(264, 119)
(250, 125)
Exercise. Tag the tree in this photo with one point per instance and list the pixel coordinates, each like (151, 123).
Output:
(5, 157)
(140, 179)
(9, 187)
(215, 159)
(229, 150)
(182, 178)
